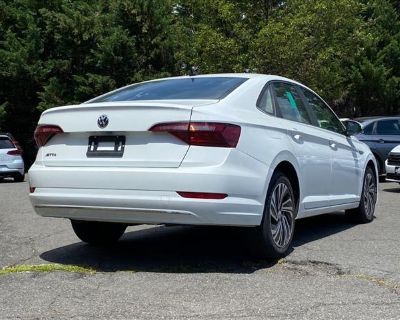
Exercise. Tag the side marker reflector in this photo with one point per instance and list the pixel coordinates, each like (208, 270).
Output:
(202, 195)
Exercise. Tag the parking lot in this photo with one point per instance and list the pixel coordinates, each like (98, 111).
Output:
(336, 271)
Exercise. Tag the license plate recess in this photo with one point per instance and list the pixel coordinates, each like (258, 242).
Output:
(106, 146)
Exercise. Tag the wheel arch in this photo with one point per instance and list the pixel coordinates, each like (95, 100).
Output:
(290, 172)
(287, 164)
(380, 164)
(372, 161)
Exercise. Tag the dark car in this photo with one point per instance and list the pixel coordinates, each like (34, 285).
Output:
(381, 134)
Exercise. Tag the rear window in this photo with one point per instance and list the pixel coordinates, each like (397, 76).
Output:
(183, 88)
(5, 143)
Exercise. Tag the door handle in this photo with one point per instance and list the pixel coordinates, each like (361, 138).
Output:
(332, 144)
(297, 137)
(381, 141)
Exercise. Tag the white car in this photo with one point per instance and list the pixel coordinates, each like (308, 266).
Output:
(392, 165)
(11, 162)
(225, 149)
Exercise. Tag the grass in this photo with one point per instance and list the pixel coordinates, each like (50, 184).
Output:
(45, 268)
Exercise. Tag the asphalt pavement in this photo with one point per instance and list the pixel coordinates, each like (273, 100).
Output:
(336, 270)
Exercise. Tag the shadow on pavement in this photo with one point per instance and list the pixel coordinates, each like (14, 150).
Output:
(187, 249)
(394, 190)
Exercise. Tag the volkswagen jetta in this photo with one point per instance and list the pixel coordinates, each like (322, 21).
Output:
(250, 150)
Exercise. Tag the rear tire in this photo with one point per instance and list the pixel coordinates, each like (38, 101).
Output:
(19, 177)
(365, 211)
(98, 233)
(273, 238)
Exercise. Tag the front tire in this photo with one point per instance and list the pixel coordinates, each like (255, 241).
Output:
(365, 211)
(98, 233)
(273, 238)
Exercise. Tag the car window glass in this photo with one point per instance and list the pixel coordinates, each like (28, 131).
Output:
(265, 102)
(289, 103)
(368, 129)
(5, 143)
(181, 88)
(388, 127)
(326, 119)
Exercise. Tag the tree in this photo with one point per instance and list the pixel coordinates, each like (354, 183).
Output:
(314, 42)
(374, 81)
(63, 52)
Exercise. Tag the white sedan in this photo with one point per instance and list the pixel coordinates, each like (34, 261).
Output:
(250, 150)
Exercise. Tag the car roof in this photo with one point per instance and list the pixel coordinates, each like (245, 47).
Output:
(232, 75)
(367, 120)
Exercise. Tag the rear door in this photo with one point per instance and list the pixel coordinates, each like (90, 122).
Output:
(310, 144)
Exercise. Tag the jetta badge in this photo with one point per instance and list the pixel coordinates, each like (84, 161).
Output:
(102, 121)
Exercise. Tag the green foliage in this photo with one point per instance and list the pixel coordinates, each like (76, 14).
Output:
(313, 41)
(53, 267)
(374, 83)
(63, 52)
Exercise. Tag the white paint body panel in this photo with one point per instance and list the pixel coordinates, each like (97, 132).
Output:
(141, 186)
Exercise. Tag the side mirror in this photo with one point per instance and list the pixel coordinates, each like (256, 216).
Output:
(352, 127)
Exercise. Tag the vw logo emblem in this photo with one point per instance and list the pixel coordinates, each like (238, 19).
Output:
(102, 121)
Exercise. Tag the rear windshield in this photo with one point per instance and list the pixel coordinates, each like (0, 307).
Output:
(183, 88)
(5, 143)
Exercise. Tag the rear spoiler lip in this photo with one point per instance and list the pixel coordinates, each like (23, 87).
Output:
(177, 104)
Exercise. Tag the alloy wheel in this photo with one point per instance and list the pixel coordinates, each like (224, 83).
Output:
(369, 194)
(282, 214)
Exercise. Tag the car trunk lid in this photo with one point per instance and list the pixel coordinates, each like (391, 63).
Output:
(130, 120)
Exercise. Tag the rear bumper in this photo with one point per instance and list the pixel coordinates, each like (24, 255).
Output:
(136, 206)
(11, 169)
(148, 195)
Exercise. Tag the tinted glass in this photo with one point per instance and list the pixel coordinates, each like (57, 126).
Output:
(289, 103)
(6, 143)
(326, 119)
(388, 127)
(265, 102)
(184, 88)
(369, 128)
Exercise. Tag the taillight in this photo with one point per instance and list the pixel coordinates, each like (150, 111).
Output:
(44, 133)
(202, 195)
(16, 152)
(208, 134)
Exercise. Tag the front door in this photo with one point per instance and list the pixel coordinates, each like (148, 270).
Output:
(346, 174)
